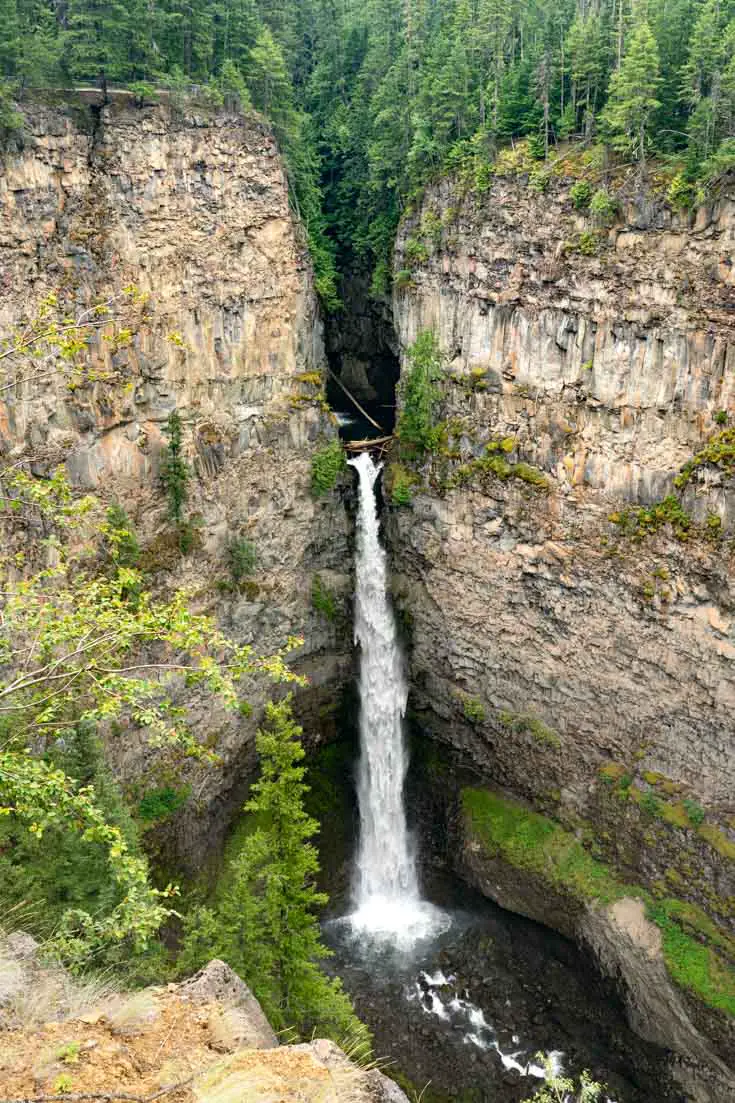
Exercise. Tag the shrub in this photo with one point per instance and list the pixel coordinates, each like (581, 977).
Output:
(401, 492)
(415, 251)
(417, 429)
(160, 804)
(580, 194)
(682, 193)
(326, 467)
(404, 278)
(694, 811)
(588, 243)
(603, 208)
(241, 557)
(538, 180)
(322, 598)
(122, 543)
(721, 417)
(473, 709)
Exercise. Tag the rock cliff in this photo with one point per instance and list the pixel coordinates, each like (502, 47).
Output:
(192, 210)
(565, 566)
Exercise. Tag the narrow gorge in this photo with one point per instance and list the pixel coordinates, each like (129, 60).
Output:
(546, 630)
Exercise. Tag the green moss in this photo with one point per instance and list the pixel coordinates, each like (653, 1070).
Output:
(718, 840)
(612, 772)
(692, 964)
(675, 814)
(694, 811)
(535, 843)
(695, 950)
(638, 523)
(522, 722)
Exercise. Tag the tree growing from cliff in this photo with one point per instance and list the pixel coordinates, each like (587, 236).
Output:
(265, 923)
(632, 101)
(417, 428)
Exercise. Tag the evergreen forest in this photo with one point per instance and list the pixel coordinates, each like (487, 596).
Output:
(372, 98)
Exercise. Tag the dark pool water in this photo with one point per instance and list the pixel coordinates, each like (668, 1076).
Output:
(469, 1010)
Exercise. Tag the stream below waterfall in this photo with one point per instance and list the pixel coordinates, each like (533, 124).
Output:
(459, 994)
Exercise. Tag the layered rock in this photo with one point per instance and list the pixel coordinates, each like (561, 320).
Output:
(192, 211)
(577, 653)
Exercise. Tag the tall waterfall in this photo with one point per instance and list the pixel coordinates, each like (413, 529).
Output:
(386, 890)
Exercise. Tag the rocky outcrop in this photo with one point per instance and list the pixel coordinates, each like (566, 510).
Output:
(202, 1041)
(192, 211)
(570, 636)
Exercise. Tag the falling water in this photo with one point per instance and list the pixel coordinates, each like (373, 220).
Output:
(387, 898)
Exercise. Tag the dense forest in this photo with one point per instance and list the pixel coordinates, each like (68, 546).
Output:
(370, 98)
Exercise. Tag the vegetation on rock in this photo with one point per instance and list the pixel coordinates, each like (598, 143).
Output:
(264, 921)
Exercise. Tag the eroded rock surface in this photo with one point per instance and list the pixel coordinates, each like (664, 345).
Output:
(192, 210)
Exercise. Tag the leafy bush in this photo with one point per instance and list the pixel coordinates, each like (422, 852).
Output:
(538, 180)
(682, 193)
(401, 491)
(326, 467)
(603, 208)
(417, 429)
(160, 804)
(242, 558)
(721, 417)
(588, 243)
(415, 251)
(322, 598)
(580, 194)
(473, 709)
(122, 543)
(721, 161)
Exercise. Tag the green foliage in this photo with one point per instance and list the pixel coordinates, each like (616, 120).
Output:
(417, 428)
(581, 195)
(682, 193)
(523, 722)
(719, 451)
(721, 417)
(632, 102)
(540, 846)
(162, 803)
(562, 1089)
(588, 243)
(322, 599)
(473, 710)
(120, 538)
(401, 485)
(638, 523)
(241, 558)
(264, 922)
(327, 464)
(694, 811)
(603, 208)
(175, 471)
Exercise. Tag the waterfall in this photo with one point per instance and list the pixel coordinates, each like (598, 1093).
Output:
(387, 897)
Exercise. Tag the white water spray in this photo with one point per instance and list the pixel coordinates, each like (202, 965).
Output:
(387, 896)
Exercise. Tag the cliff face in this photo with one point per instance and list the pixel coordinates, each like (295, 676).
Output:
(192, 210)
(580, 653)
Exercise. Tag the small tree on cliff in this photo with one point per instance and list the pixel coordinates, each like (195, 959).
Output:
(265, 924)
(416, 429)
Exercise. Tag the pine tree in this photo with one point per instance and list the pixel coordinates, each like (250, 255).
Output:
(265, 923)
(632, 103)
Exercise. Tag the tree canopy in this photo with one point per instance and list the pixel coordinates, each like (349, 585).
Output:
(372, 98)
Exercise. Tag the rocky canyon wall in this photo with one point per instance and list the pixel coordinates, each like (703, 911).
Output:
(192, 209)
(569, 594)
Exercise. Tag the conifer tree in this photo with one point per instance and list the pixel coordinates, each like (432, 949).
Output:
(632, 102)
(265, 923)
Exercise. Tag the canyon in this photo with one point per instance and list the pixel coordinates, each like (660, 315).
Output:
(564, 655)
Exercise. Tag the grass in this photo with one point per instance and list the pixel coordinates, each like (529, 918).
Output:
(698, 955)
(539, 731)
